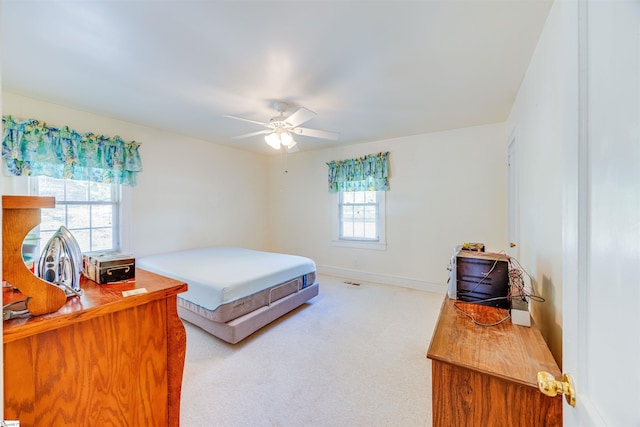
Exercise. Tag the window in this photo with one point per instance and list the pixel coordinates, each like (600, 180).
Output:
(358, 212)
(91, 211)
(360, 219)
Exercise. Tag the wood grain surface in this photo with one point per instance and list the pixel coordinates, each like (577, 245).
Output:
(27, 202)
(97, 300)
(102, 360)
(20, 215)
(486, 375)
(513, 352)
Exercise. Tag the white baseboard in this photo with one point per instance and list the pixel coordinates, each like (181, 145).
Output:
(382, 278)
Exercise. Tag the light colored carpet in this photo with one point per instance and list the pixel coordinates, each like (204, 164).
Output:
(352, 356)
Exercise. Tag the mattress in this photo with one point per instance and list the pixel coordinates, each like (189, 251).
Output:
(233, 292)
(220, 275)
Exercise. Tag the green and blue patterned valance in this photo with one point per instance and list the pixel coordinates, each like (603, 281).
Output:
(368, 173)
(31, 148)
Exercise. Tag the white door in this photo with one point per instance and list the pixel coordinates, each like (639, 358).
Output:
(601, 299)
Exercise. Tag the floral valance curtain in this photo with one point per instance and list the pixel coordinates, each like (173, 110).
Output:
(368, 173)
(31, 148)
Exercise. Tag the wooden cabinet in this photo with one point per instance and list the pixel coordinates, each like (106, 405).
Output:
(486, 375)
(102, 359)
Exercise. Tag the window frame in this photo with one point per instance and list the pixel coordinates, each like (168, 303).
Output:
(339, 241)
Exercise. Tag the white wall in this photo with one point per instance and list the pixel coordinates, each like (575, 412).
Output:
(542, 117)
(191, 192)
(447, 188)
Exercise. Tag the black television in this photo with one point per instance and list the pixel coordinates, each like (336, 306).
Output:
(480, 277)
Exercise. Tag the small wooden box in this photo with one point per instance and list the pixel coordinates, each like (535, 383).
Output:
(108, 268)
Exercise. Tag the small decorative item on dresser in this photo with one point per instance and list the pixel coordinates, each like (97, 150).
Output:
(108, 267)
(478, 247)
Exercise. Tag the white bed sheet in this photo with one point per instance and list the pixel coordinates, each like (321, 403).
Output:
(219, 275)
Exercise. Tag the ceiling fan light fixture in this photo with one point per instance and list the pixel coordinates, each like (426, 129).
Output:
(278, 137)
(273, 139)
(286, 139)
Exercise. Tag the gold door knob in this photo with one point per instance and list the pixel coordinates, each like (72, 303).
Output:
(551, 387)
(512, 245)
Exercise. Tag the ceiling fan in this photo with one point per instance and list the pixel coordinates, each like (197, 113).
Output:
(281, 129)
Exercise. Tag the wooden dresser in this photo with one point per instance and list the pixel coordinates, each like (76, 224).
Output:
(103, 359)
(486, 375)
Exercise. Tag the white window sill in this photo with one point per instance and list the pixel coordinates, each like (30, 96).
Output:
(357, 244)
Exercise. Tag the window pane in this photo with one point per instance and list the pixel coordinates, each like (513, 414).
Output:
(102, 239)
(78, 217)
(99, 192)
(347, 229)
(370, 230)
(77, 191)
(358, 213)
(51, 187)
(370, 212)
(84, 239)
(101, 216)
(52, 219)
(370, 197)
(358, 197)
(347, 197)
(358, 229)
(347, 212)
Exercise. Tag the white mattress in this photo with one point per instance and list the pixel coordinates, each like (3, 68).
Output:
(219, 275)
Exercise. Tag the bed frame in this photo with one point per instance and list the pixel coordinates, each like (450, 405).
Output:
(241, 327)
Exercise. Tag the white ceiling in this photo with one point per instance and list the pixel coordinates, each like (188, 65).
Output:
(371, 70)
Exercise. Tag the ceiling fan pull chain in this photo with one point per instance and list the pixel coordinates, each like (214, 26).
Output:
(286, 161)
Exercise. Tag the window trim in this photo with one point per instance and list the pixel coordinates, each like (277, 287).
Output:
(125, 229)
(380, 244)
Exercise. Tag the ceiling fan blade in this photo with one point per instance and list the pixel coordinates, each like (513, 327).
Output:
(299, 117)
(245, 120)
(315, 133)
(247, 135)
